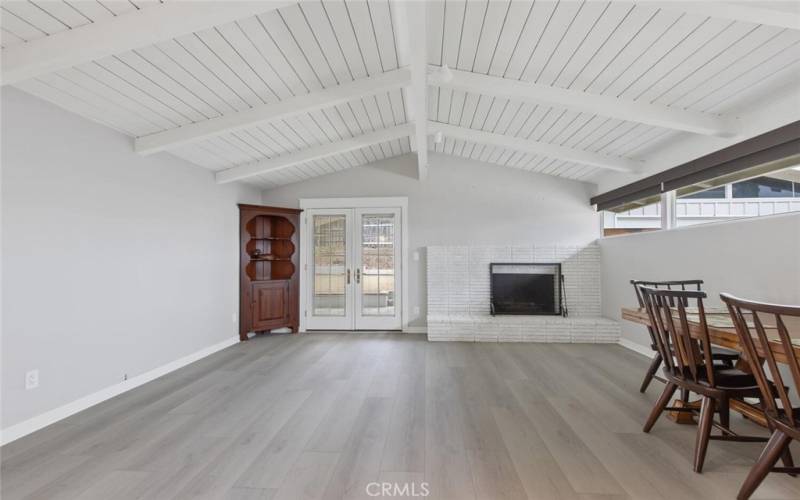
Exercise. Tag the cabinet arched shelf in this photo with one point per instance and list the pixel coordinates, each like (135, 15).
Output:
(270, 249)
(270, 227)
(269, 258)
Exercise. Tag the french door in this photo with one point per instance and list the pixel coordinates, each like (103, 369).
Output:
(353, 263)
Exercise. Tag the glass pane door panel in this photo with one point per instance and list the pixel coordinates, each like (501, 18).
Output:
(377, 264)
(330, 278)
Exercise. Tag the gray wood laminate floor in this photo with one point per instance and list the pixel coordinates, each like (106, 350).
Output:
(322, 415)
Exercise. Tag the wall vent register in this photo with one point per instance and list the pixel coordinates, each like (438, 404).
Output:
(526, 288)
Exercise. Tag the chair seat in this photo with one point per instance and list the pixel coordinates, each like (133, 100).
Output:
(717, 353)
(722, 353)
(724, 377)
(731, 378)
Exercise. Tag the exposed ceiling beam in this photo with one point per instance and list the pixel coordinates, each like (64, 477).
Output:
(409, 18)
(749, 12)
(623, 109)
(313, 153)
(270, 112)
(536, 147)
(128, 31)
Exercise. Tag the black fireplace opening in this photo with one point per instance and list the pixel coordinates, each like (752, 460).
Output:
(526, 288)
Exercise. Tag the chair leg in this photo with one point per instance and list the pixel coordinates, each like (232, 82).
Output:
(662, 402)
(685, 395)
(787, 459)
(651, 372)
(774, 449)
(703, 432)
(725, 413)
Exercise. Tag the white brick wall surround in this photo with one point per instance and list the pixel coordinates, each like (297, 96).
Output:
(458, 296)
(522, 329)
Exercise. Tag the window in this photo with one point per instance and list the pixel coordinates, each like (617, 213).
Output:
(764, 187)
(703, 206)
(713, 193)
(755, 177)
(637, 217)
(725, 198)
(765, 194)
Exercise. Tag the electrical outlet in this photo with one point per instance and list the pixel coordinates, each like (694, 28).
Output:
(234, 317)
(124, 377)
(416, 310)
(32, 379)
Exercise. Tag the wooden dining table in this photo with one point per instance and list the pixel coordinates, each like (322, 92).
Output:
(722, 333)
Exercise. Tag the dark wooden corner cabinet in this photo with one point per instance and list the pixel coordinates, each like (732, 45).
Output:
(269, 262)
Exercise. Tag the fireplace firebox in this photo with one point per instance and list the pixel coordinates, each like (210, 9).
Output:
(526, 288)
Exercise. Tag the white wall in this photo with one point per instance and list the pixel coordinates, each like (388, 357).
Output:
(462, 202)
(112, 263)
(753, 258)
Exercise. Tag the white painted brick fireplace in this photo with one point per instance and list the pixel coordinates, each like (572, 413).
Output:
(459, 289)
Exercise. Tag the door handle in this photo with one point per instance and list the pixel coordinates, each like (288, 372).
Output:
(348, 276)
(358, 275)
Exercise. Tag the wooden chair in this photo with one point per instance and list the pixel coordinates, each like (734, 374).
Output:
(688, 365)
(725, 356)
(749, 319)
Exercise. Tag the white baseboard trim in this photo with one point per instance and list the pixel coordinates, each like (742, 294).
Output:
(50, 417)
(416, 329)
(639, 348)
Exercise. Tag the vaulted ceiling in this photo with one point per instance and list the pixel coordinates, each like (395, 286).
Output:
(276, 92)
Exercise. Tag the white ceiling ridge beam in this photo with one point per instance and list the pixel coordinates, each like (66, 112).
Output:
(246, 170)
(623, 109)
(132, 30)
(748, 12)
(292, 106)
(409, 19)
(616, 163)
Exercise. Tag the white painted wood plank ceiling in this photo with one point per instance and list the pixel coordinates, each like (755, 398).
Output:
(660, 55)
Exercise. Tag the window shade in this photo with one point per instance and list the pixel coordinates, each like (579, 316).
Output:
(767, 152)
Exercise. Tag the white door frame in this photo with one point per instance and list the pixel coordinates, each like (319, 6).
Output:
(400, 202)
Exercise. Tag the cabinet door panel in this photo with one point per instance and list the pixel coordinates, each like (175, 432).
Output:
(270, 304)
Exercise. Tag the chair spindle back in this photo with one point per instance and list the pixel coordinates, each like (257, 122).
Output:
(752, 320)
(666, 285)
(684, 356)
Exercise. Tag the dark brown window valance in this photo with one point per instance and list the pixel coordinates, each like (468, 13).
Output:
(780, 144)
